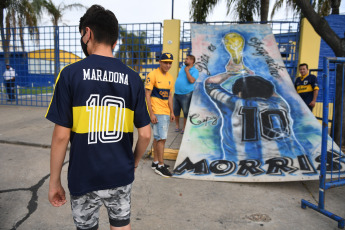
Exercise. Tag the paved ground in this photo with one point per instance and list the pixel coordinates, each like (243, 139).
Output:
(157, 203)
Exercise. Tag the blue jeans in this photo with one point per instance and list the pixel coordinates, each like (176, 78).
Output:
(182, 101)
(160, 129)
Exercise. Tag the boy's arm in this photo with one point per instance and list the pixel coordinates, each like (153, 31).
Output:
(60, 139)
(313, 102)
(144, 136)
(315, 91)
(170, 104)
(153, 117)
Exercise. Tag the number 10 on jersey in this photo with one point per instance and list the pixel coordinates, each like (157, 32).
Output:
(106, 118)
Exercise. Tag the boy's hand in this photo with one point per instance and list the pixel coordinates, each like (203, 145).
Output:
(172, 117)
(56, 195)
(154, 119)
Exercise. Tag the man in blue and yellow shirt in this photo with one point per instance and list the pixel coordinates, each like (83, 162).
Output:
(159, 98)
(306, 86)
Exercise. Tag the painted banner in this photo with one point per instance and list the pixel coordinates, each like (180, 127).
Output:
(246, 122)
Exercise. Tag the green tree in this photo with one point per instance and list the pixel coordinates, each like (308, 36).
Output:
(19, 13)
(133, 50)
(322, 7)
(244, 10)
(56, 13)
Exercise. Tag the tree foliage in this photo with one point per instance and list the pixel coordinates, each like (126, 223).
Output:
(322, 7)
(54, 11)
(242, 10)
(133, 50)
(19, 13)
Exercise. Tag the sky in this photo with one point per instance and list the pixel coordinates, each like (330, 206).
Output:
(146, 11)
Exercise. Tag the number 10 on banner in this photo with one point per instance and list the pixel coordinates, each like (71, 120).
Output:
(102, 114)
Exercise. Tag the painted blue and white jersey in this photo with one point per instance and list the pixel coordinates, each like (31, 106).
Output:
(254, 127)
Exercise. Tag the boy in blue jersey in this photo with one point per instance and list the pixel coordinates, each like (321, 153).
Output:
(96, 103)
(306, 86)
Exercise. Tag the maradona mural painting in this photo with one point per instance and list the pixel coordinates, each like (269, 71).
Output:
(246, 121)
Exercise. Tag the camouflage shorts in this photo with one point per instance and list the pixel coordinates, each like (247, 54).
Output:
(85, 209)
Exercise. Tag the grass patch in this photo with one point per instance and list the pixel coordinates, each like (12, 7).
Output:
(35, 90)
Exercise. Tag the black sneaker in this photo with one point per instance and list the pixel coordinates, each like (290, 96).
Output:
(163, 171)
(154, 166)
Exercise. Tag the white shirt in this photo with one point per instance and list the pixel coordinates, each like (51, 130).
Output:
(9, 74)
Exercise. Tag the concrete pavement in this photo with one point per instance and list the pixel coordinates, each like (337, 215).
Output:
(157, 202)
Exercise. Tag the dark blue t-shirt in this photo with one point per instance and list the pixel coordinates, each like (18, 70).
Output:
(101, 100)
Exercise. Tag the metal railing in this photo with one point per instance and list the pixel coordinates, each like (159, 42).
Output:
(38, 59)
(332, 158)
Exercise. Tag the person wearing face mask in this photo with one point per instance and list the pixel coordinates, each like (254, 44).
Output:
(9, 77)
(95, 106)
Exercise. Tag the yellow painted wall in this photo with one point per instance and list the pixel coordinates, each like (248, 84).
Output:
(49, 54)
(309, 45)
(309, 52)
(171, 43)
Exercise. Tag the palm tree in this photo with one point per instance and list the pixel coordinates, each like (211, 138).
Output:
(19, 13)
(133, 50)
(244, 10)
(322, 7)
(56, 13)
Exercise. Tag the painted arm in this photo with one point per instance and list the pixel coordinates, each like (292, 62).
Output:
(218, 79)
(144, 136)
(60, 139)
(153, 117)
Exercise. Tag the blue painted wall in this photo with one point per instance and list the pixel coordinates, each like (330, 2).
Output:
(337, 23)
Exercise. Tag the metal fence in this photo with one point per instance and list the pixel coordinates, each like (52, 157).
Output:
(38, 57)
(318, 110)
(332, 158)
(286, 34)
(38, 54)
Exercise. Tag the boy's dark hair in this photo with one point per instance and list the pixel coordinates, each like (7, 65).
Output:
(103, 24)
(253, 86)
(303, 64)
(192, 57)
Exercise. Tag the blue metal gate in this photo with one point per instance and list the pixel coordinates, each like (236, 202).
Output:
(38, 59)
(330, 160)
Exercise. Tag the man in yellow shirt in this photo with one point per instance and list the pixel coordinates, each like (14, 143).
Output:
(159, 97)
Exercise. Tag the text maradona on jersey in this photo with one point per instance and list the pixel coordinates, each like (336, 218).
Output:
(105, 75)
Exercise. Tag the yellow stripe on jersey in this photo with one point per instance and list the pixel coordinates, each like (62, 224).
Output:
(304, 88)
(83, 120)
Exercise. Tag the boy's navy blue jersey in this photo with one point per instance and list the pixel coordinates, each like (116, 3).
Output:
(100, 99)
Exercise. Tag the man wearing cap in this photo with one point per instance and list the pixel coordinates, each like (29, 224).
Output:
(9, 76)
(158, 90)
